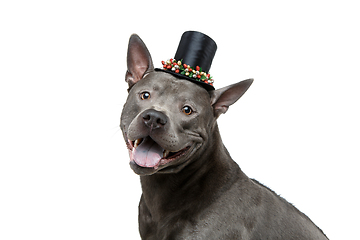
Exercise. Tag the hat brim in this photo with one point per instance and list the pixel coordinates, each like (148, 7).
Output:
(208, 87)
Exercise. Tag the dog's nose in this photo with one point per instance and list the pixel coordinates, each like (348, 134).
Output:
(154, 119)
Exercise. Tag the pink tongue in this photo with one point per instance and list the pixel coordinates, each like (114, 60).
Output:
(148, 153)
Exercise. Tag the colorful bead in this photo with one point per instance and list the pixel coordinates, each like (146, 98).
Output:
(185, 69)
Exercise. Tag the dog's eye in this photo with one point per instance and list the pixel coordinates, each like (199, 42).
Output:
(187, 110)
(145, 95)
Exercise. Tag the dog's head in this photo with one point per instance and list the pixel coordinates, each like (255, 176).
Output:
(167, 121)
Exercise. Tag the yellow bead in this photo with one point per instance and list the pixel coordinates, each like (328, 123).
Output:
(187, 73)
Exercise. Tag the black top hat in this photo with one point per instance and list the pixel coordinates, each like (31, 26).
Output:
(193, 59)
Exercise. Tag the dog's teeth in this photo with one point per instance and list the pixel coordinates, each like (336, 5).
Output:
(166, 153)
(137, 142)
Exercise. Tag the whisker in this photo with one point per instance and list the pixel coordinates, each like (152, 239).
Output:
(117, 126)
(116, 132)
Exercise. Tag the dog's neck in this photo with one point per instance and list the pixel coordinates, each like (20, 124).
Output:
(196, 185)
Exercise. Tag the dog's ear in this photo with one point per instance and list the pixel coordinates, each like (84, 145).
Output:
(139, 60)
(222, 98)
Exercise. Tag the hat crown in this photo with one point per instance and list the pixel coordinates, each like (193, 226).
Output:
(196, 49)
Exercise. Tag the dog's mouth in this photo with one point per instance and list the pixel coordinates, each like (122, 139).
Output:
(145, 152)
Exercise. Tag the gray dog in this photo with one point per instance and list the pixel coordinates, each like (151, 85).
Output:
(192, 188)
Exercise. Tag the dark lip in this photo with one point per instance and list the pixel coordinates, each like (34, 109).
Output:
(165, 165)
(172, 156)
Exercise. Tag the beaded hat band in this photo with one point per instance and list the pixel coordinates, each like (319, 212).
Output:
(186, 70)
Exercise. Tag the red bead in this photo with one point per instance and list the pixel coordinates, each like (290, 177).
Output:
(168, 67)
(177, 71)
(206, 81)
(185, 66)
(171, 60)
(208, 75)
(198, 76)
(197, 68)
(163, 62)
(164, 66)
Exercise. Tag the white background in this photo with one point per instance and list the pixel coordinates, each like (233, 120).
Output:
(64, 170)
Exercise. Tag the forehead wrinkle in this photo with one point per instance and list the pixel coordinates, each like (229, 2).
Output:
(169, 86)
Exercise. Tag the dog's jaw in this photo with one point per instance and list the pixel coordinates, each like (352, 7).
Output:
(169, 162)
